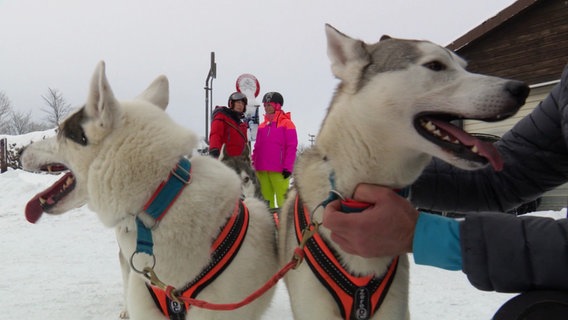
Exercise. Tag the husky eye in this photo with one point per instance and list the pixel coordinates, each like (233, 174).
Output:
(72, 128)
(435, 65)
(83, 139)
(246, 179)
(80, 139)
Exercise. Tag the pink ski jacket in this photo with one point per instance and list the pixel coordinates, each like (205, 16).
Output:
(276, 144)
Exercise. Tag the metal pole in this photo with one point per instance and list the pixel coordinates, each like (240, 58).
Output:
(209, 94)
(312, 139)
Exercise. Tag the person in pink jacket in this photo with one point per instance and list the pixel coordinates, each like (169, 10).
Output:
(274, 151)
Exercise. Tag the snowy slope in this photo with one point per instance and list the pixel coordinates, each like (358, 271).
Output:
(66, 267)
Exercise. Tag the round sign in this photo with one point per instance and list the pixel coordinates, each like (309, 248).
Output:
(247, 83)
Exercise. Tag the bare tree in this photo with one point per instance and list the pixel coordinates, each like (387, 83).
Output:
(57, 108)
(35, 126)
(5, 111)
(20, 123)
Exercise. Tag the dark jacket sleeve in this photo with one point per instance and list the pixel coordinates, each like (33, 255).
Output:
(535, 158)
(506, 253)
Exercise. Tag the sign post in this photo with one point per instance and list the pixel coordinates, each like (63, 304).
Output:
(209, 94)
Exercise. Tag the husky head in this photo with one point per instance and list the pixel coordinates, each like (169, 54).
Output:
(250, 187)
(103, 139)
(396, 99)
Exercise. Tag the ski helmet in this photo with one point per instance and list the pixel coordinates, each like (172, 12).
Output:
(237, 96)
(273, 97)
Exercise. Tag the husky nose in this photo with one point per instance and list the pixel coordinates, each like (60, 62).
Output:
(518, 90)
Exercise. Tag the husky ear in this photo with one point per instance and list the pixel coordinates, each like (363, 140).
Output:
(101, 105)
(348, 56)
(245, 155)
(157, 93)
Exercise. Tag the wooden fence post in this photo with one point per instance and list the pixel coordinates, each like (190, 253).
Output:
(3, 155)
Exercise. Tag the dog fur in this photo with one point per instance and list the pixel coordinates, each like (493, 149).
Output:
(118, 153)
(371, 135)
(250, 187)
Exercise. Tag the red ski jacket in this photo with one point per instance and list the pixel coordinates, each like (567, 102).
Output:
(228, 129)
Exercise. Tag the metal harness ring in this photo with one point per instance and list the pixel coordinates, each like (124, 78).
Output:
(143, 270)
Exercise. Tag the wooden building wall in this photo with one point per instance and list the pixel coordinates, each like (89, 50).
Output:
(532, 46)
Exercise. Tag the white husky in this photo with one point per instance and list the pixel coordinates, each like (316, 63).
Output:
(119, 154)
(389, 116)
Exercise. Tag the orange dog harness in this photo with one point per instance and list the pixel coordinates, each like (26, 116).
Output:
(224, 249)
(357, 298)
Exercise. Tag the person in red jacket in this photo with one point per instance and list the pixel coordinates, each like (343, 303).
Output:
(274, 151)
(228, 127)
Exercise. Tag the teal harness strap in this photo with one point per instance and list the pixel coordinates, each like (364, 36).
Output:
(333, 195)
(160, 203)
(144, 242)
(350, 205)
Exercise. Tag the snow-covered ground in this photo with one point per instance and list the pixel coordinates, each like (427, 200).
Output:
(66, 267)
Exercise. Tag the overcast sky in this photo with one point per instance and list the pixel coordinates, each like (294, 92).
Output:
(57, 44)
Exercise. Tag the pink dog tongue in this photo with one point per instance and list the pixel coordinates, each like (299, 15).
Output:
(486, 149)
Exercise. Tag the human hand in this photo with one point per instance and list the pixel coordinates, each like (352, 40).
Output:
(286, 173)
(386, 228)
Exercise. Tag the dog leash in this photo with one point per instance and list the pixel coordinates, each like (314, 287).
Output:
(294, 262)
(157, 207)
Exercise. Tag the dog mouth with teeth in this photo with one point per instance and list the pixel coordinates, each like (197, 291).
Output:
(438, 130)
(47, 199)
